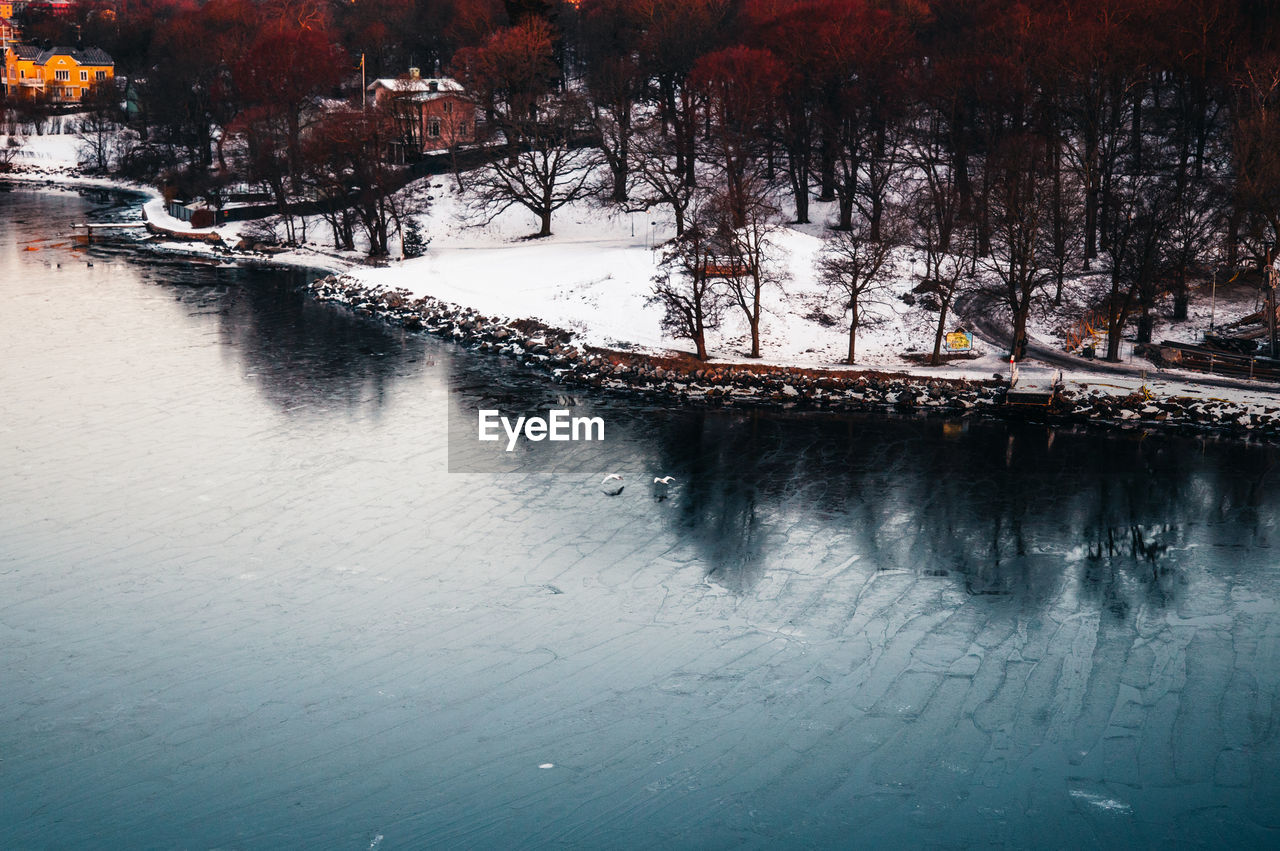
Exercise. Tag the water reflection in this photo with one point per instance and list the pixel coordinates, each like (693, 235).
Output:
(305, 357)
(912, 631)
(1009, 509)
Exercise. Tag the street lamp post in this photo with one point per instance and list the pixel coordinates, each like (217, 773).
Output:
(1213, 298)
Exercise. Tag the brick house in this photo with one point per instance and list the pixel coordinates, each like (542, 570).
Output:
(434, 112)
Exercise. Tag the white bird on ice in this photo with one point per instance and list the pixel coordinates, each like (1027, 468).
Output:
(612, 485)
(662, 486)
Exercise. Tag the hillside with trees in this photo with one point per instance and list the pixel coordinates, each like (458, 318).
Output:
(1014, 146)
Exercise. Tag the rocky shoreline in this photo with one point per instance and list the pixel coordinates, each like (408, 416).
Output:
(688, 381)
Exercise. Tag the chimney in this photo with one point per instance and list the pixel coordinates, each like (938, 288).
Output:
(414, 73)
(434, 85)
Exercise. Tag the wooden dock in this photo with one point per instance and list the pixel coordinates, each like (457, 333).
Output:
(1033, 391)
(90, 227)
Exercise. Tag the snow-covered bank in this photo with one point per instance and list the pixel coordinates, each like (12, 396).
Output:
(684, 380)
(594, 276)
(488, 285)
(53, 158)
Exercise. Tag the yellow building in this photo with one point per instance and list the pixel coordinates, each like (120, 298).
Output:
(6, 9)
(61, 74)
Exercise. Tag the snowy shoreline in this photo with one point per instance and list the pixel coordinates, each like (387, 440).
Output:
(721, 384)
(575, 357)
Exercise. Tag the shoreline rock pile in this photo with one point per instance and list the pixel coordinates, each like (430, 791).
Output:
(552, 350)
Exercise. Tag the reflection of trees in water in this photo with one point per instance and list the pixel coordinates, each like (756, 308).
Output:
(1006, 506)
(302, 353)
(719, 462)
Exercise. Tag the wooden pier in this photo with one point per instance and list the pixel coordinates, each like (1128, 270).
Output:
(1032, 391)
(89, 227)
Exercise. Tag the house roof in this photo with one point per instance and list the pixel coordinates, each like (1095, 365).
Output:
(81, 56)
(425, 97)
(416, 84)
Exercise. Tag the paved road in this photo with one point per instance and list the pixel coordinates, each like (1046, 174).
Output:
(985, 318)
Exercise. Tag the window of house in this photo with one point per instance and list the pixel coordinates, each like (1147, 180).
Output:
(84, 75)
(102, 75)
(62, 75)
(433, 128)
(448, 107)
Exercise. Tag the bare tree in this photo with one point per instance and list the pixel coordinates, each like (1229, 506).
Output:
(938, 232)
(691, 300)
(545, 170)
(9, 151)
(614, 82)
(1197, 214)
(747, 251)
(740, 86)
(1139, 214)
(1256, 167)
(346, 171)
(97, 128)
(1021, 239)
(657, 176)
(855, 269)
(948, 274)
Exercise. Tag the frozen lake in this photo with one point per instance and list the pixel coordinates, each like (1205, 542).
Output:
(243, 604)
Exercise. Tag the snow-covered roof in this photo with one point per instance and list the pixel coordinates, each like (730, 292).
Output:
(424, 97)
(416, 84)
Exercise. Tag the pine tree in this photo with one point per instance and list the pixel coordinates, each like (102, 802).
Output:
(414, 243)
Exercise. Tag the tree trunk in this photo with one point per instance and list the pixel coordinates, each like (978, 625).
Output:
(799, 188)
(1181, 302)
(1115, 325)
(623, 169)
(1019, 329)
(846, 212)
(620, 183)
(827, 163)
(1146, 323)
(853, 332)
(545, 218)
(936, 359)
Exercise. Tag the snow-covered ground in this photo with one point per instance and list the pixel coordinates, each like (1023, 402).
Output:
(54, 157)
(594, 276)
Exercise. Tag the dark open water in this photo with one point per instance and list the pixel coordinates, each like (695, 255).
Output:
(243, 604)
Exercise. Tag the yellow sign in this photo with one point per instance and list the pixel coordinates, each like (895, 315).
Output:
(959, 341)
